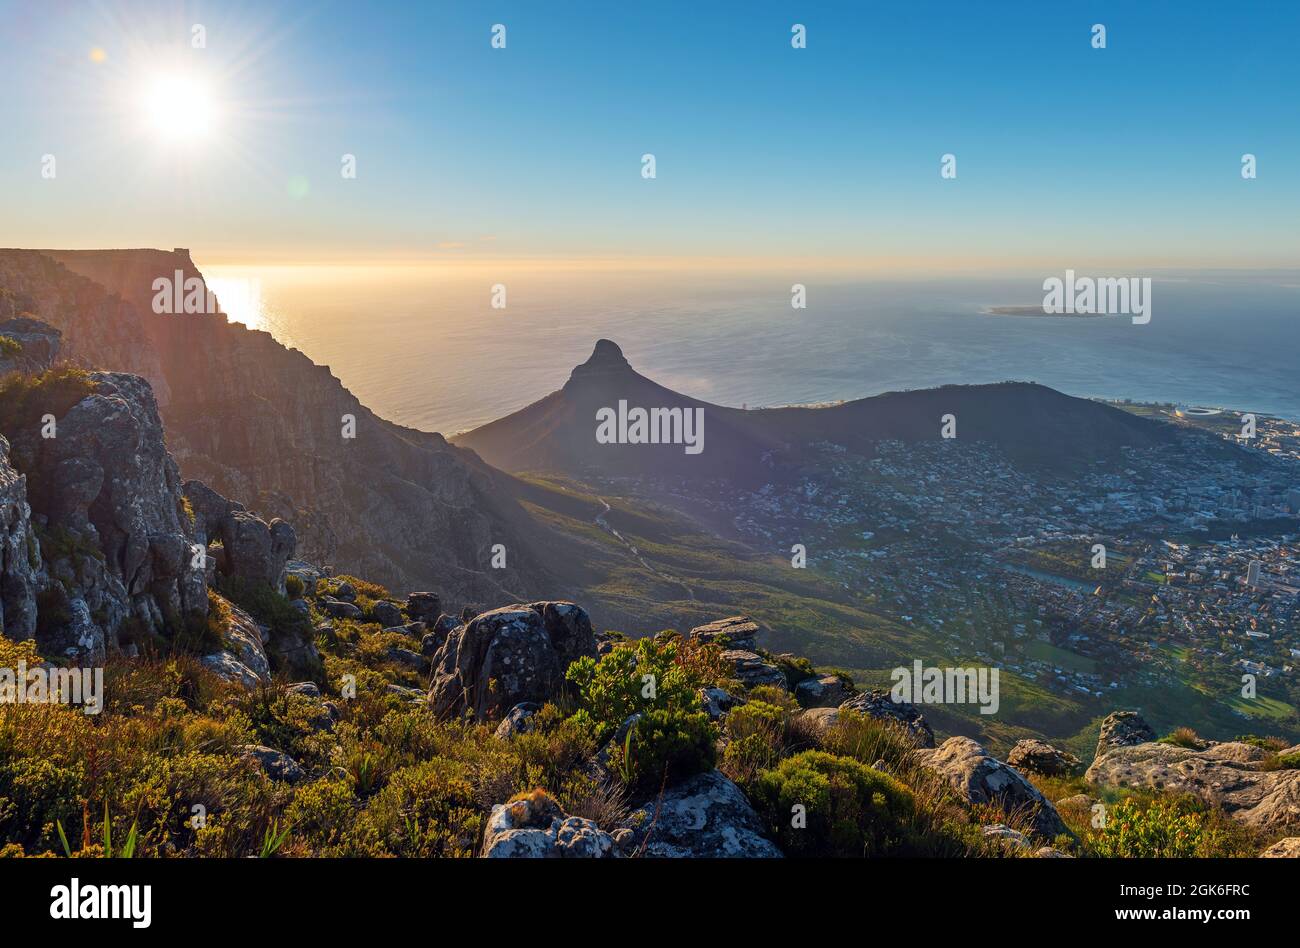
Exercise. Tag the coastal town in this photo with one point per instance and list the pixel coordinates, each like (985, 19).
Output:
(1181, 562)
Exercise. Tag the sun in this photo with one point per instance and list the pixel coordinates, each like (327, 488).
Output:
(178, 109)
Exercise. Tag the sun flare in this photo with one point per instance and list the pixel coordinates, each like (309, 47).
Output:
(178, 109)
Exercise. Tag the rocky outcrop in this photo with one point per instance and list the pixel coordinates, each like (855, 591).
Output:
(705, 817)
(20, 559)
(1288, 848)
(519, 720)
(1226, 775)
(880, 705)
(277, 764)
(534, 827)
(1040, 757)
(37, 344)
(1123, 729)
(508, 656)
(980, 778)
(752, 670)
(822, 691)
(106, 490)
(252, 550)
(243, 660)
(738, 632)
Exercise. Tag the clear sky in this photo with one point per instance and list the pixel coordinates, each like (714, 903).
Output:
(1066, 154)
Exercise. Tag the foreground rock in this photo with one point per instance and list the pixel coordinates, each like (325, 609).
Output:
(979, 778)
(879, 704)
(1040, 757)
(20, 561)
(1225, 775)
(508, 656)
(243, 660)
(1288, 848)
(534, 827)
(705, 817)
(738, 632)
(1123, 729)
(822, 691)
(753, 670)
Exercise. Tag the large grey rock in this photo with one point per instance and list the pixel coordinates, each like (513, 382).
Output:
(386, 614)
(252, 549)
(1288, 848)
(880, 705)
(824, 691)
(39, 343)
(979, 778)
(1123, 729)
(738, 632)
(277, 764)
(753, 670)
(107, 486)
(20, 560)
(1226, 775)
(244, 654)
(423, 606)
(535, 827)
(1040, 757)
(705, 817)
(519, 720)
(507, 656)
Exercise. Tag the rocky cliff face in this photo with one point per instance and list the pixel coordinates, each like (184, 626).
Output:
(20, 556)
(265, 426)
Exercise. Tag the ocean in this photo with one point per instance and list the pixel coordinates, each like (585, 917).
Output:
(423, 346)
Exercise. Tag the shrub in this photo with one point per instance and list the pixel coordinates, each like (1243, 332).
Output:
(663, 748)
(1182, 737)
(294, 586)
(615, 687)
(850, 809)
(9, 347)
(426, 810)
(1158, 828)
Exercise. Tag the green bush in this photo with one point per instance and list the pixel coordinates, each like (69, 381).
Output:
(663, 748)
(294, 586)
(9, 346)
(1158, 828)
(850, 809)
(615, 687)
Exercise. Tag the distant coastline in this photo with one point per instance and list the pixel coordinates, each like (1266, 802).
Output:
(1033, 311)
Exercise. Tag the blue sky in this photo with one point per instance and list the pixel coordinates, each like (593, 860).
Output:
(1065, 154)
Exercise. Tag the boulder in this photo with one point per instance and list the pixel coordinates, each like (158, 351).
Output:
(404, 656)
(507, 656)
(386, 613)
(737, 632)
(1123, 729)
(880, 705)
(338, 608)
(826, 691)
(1226, 775)
(979, 778)
(1011, 839)
(705, 817)
(716, 702)
(519, 720)
(277, 764)
(242, 638)
(423, 606)
(1040, 757)
(38, 343)
(1288, 848)
(534, 827)
(752, 670)
(817, 721)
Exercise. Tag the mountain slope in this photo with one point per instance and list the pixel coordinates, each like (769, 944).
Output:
(1033, 424)
(263, 425)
